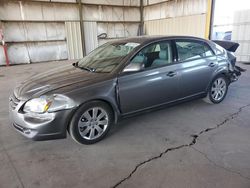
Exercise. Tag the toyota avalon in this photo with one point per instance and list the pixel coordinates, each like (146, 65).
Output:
(118, 79)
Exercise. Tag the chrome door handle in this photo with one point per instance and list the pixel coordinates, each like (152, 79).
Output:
(212, 64)
(171, 74)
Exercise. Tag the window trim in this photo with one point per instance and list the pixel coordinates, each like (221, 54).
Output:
(194, 41)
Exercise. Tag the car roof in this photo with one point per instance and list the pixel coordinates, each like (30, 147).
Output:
(151, 38)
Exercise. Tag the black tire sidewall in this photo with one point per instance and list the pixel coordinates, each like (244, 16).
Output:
(210, 88)
(73, 127)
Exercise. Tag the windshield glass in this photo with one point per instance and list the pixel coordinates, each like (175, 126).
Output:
(106, 57)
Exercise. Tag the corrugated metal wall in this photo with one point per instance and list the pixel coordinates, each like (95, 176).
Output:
(47, 30)
(32, 27)
(241, 34)
(180, 17)
(74, 41)
(28, 41)
(90, 30)
(188, 25)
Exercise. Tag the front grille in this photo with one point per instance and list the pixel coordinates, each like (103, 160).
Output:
(14, 101)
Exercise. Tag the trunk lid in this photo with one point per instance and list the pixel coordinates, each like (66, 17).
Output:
(228, 45)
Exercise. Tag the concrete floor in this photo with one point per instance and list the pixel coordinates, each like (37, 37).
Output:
(174, 147)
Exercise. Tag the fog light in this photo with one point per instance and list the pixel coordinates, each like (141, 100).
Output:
(26, 131)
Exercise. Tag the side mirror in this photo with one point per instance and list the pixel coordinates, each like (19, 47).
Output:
(133, 67)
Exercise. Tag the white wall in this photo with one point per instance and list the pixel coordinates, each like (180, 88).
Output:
(241, 34)
(180, 17)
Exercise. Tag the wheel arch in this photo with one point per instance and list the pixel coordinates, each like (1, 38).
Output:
(109, 103)
(218, 73)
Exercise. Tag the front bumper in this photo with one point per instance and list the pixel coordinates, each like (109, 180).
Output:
(39, 126)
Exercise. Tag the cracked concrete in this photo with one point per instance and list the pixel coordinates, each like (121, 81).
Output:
(219, 166)
(193, 142)
(151, 150)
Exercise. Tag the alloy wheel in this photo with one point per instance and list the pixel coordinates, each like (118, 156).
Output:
(93, 123)
(218, 89)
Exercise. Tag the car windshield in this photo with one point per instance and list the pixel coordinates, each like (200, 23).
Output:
(106, 57)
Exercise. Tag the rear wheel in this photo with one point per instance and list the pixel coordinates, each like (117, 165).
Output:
(91, 122)
(217, 90)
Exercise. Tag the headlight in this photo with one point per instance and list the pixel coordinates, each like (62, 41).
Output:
(48, 104)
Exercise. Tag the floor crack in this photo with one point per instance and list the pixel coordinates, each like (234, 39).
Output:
(193, 142)
(220, 166)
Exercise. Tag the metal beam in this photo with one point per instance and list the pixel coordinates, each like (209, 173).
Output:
(208, 19)
(76, 2)
(158, 3)
(112, 5)
(62, 21)
(212, 20)
(141, 32)
(34, 41)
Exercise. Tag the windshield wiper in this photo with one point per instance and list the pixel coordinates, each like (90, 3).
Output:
(84, 68)
(87, 69)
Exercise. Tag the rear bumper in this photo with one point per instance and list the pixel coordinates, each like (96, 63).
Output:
(235, 74)
(41, 126)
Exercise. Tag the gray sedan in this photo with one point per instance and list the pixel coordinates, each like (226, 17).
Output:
(118, 79)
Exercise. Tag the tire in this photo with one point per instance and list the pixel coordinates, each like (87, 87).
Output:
(217, 90)
(91, 122)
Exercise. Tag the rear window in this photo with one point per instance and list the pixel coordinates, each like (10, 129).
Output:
(188, 50)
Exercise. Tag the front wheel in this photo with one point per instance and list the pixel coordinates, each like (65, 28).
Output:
(91, 122)
(217, 90)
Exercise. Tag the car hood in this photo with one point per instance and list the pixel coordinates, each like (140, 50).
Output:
(57, 79)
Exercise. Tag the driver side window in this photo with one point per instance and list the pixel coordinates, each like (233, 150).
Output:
(154, 55)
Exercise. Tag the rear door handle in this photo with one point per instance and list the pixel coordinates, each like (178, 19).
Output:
(212, 64)
(171, 74)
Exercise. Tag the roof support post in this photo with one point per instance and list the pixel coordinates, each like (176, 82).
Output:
(141, 29)
(210, 7)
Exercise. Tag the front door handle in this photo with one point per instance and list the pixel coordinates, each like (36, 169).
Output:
(212, 64)
(171, 74)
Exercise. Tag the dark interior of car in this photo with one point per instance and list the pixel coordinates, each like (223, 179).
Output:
(150, 57)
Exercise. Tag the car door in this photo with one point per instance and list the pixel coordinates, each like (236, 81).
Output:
(156, 84)
(198, 63)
